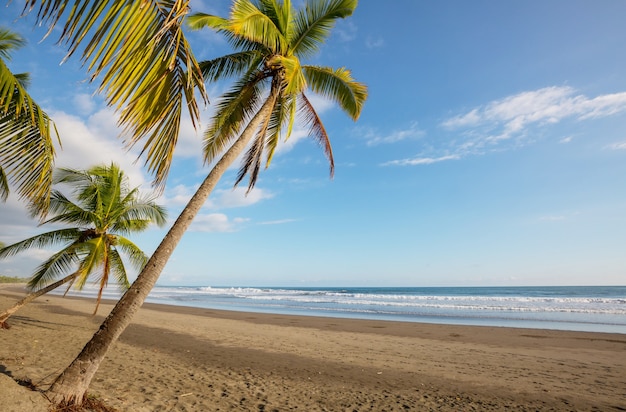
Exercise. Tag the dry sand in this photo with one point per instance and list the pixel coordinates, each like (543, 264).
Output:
(186, 359)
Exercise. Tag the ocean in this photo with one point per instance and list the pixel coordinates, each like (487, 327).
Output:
(576, 308)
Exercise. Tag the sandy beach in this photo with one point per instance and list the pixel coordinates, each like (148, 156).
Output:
(187, 359)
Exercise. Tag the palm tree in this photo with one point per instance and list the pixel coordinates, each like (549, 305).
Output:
(26, 147)
(270, 37)
(105, 209)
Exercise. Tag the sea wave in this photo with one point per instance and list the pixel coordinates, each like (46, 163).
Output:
(568, 305)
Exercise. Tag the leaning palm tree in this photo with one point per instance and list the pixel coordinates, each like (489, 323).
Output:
(26, 147)
(269, 38)
(104, 210)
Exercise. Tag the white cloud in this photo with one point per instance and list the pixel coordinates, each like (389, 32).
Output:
(95, 141)
(216, 222)
(346, 30)
(15, 224)
(420, 161)
(85, 103)
(373, 138)
(278, 222)
(374, 43)
(179, 195)
(618, 146)
(471, 118)
(559, 217)
(189, 142)
(237, 197)
(219, 199)
(511, 122)
(511, 116)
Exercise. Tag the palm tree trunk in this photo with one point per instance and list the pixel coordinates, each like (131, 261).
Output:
(29, 298)
(70, 387)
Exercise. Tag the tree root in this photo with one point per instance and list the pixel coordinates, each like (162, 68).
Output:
(90, 404)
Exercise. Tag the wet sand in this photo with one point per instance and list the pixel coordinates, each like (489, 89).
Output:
(188, 359)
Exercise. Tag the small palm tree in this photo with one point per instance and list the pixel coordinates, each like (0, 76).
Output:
(270, 38)
(104, 210)
(26, 148)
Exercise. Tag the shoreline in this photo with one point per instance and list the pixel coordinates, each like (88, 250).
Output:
(185, 358)
(571, 318)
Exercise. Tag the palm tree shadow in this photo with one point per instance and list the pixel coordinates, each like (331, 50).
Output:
(32, 322)
(27, 383)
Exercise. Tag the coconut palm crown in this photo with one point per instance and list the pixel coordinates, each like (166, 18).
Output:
(103, 211)
(271, 39)
(145, 66)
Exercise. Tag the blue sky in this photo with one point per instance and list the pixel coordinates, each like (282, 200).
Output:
(491, 151)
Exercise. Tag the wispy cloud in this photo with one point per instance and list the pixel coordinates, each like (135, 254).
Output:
(420, 161)
(278, 222)
(346, 30)
(374, 42)
(375, 138)
(618, 146)
(511, 116)
(553, 218)
(511, 122)
(559, 217)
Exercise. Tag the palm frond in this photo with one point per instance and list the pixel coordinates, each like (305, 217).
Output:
(339, 86)
(279, 13)
(317, 130)
(94, 253)
(41, 241)
(77, 180)
(248, 23)
(221, 25)
(230, 65)
(58, 265)
(66, 211)
(284, 113)
(9, 42)
(252, 161)
(118, 271)
(259, 127)
(26, 147)
(199, 21)
(312, 24)
(138, 216)
(106, 271)
(4, 186)
(232, 111)
(146, 67)
(135, 256)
